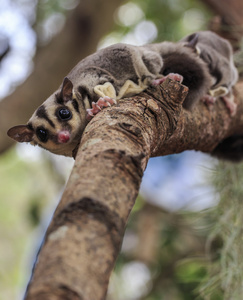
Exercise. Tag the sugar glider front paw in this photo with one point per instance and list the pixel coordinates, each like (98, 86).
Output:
(173, 76)
(99, 105)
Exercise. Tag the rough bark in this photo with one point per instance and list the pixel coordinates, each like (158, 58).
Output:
(84, 27)
(84, 237)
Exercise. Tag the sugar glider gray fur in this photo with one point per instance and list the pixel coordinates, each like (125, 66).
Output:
(112, 73)
(205, 60)
(182, 58)
(117, 71)
(217, 53)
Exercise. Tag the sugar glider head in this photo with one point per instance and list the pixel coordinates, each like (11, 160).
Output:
(56, 125)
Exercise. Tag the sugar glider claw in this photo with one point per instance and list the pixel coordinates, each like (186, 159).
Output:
(99, 105)
(173, 76)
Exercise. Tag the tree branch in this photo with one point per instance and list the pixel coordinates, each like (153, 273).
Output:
(84, 237)
(203, 129)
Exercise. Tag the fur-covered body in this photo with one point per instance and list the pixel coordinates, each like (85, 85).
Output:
(217, 53)
(116, 72)
(178, 58)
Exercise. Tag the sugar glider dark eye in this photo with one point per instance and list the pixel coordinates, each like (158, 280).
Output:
(64, 114)
(42, 134)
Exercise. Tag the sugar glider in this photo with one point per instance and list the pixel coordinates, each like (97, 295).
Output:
(110, 74)
(97, 81)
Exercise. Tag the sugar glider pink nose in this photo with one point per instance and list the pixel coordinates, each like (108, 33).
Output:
(63, 136)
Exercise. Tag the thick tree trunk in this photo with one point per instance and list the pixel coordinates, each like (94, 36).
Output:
(84, 27)
(84, 237)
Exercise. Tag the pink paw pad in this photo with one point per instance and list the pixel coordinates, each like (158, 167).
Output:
(173, 76)
(106, 101)
(97, 107)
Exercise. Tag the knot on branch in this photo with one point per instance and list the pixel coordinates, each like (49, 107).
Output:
(133, 164)
(174, 93)
(170, 96)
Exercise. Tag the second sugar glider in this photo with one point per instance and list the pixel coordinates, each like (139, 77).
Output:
(217, 53)
(205, 61)
(112, 73)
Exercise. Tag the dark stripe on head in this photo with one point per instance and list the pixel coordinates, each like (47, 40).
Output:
(75, 105)
(59, 98)
(85, 94)
(41, 113)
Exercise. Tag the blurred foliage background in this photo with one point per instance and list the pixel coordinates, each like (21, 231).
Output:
(181, 242)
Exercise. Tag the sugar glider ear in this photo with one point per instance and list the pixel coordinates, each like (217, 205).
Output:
(67, 90)
(192, 42)
(21, 133)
